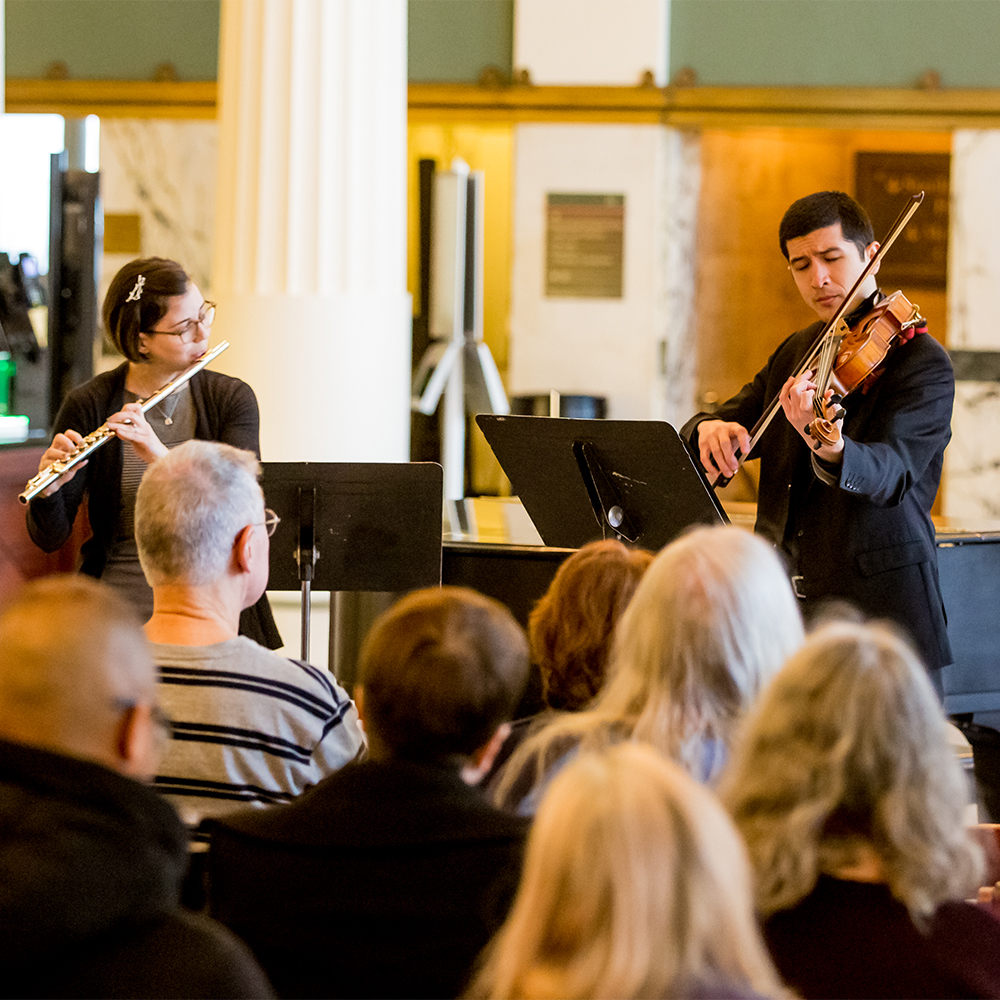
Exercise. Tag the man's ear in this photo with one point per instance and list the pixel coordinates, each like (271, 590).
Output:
(243, 550)
(481, 760)
(136, 743)
(870, 252)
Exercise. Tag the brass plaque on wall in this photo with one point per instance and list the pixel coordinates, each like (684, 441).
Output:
(584, 246)
(883, 182)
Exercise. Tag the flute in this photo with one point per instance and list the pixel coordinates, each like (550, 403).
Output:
(104, 433)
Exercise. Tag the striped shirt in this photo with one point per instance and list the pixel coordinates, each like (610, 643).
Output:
(249, 727)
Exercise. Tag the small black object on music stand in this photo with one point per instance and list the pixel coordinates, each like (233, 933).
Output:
(580, 480)
(353, 526)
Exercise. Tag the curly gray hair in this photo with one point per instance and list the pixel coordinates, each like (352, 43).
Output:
(847, 748)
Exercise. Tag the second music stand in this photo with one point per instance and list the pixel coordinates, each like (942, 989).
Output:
(580, 480)
(353, 526)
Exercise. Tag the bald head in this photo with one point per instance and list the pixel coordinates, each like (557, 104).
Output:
(73, 663)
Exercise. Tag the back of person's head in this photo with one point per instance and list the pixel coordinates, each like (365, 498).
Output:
(440, 671)
(132, 307)
(635, 884)
(190, 507)
(848, 749)
(570, 628)
(822, 209)
(73, 657)
(712, 619)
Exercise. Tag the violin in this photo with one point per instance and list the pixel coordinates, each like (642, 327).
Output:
(837, 339)
(849, 355)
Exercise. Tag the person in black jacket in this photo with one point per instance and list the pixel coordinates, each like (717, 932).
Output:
(91, 858)
(852, 518)
(155, 316)
(388, 877)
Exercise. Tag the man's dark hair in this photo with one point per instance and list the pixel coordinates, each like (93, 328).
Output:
(441, 670)
(822, 209)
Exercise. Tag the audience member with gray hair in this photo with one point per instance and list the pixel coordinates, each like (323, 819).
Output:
(250, 727)
(91, 859)
(711, 620)
(851, 801)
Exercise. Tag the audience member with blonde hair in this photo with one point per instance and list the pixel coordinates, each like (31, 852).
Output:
(851, 803)
(712, 619)
(635, 885)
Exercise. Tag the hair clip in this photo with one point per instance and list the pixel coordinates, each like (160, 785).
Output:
(136, 292)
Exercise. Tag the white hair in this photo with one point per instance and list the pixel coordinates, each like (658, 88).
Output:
(191, 505)
(711, 621)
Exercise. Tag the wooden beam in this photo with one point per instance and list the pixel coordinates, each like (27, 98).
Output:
(113, 98)
(713, 107)
(684, 107)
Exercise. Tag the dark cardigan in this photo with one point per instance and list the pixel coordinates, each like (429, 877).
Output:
(225, 411)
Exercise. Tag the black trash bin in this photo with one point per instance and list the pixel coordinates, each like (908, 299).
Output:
(570, 405)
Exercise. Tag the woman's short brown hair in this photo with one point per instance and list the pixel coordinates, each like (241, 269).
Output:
(124, 320)
(570, 628)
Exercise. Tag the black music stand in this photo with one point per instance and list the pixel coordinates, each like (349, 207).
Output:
(353, 526)
(581, 480)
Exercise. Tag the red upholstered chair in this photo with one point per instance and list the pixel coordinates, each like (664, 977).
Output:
(20, 558)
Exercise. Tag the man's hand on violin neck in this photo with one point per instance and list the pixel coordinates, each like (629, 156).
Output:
(718, 444)
(796, 396)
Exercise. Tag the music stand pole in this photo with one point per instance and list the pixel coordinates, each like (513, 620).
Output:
(305, 556)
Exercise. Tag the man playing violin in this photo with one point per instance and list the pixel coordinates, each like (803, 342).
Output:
(853, 516)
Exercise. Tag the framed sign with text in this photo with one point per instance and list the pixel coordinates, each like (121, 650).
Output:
(584, 245)
(883, 182)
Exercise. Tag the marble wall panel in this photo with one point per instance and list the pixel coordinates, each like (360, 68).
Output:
(971, 486)
(637, 350)
(164, 171)
(972, 479)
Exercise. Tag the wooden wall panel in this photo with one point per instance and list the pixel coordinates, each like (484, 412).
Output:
(746, 300)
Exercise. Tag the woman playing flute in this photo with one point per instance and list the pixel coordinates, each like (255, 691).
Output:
(158, 319)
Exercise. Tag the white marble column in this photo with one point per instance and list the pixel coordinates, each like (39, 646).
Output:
(972, 462)
(638, 350)
(310, 240)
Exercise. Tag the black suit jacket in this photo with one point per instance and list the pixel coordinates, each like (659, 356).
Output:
(868, 537)
(386, 879)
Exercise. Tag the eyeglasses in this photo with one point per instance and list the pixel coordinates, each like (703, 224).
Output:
(270, 522)
(187, 331)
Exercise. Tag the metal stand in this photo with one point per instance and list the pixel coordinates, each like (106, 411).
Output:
(305, 557)
(457, 364)
(580, 480)
(353, 527)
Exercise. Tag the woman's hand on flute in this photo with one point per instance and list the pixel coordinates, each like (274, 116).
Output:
(131, 425)
(62, 446)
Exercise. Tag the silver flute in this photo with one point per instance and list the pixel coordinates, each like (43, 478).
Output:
(104, 433)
